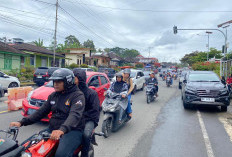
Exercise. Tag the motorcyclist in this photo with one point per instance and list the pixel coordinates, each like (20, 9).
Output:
(119, 86)
(67, 105)
(169, 75)
(92, 109)
(153, 80)
(129, 81)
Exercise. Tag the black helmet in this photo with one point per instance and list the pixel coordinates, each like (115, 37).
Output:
(65, 75)
(119, 75)
(128, 71)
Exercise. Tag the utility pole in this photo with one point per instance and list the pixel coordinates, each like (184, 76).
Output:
(54, 48)
(208, 44)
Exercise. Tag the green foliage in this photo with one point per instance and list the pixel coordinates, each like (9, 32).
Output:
(139, 65)
(124, 52)
(84, 66)
(73, 65)
(89, 44)
(197, 56)
(94, 68)
(39, 43)
(206, 66)
(71, 41)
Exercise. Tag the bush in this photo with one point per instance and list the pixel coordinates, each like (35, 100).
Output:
(84, 66)
(30, 69)
(94, 69)
(207, 66)
(73, 65)
(139, 65)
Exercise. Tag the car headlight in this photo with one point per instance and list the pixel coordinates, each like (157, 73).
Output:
(223, 92)
(25, 154)
(29, 96)
(189, 90)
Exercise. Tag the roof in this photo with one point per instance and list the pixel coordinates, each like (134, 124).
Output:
(78, 49)
(33, 48)
(6, 48)
(139, 56)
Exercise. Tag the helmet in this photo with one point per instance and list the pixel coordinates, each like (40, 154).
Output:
(119, 75)
(128, 71)
(65, 75)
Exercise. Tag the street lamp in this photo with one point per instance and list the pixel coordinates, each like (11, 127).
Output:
(208, 44)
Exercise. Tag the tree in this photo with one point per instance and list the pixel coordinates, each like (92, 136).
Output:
(72, 41)
(89, 44)
(39, 43)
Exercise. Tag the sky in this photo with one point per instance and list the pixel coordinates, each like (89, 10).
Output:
(139, 24)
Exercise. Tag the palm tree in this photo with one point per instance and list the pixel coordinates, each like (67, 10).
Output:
(39, 43)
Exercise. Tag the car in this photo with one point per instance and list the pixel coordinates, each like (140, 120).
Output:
(42, 74)
(1, 91)
(8, 81)
(35, 99)
(181, 78)
(138, 79)
(204, 88)
(87, 69)
(108, 71)
(146, 75)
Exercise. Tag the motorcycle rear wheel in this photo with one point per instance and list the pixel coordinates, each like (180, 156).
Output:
(148, 99)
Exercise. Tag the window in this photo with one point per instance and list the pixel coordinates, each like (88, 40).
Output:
(103, 80)
(77, 61)
(94, 82)
(32, 60)
(142, 74)
(1, 74)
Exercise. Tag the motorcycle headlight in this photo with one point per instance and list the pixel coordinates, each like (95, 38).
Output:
(25, 154)
(29, 96)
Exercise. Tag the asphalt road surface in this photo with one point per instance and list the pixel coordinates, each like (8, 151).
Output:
(159, 129)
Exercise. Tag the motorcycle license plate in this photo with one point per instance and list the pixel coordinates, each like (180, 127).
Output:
(208, 99)
(31, 111)
(39, 76)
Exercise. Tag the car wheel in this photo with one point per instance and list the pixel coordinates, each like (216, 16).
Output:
(224, 108)
(180, 86)
(134, 90)
(186, 105)
(13, 85)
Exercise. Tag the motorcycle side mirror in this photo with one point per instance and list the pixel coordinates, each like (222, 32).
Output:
(92, 87)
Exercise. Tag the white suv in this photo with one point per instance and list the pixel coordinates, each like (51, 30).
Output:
(138, 79)
(8, 81)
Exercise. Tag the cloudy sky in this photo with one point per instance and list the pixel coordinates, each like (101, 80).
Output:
(137, 24)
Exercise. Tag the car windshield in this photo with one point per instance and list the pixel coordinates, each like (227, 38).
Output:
(41, 70)
(207, 77)
(49, 84)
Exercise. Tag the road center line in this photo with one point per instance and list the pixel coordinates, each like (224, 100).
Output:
(4, 111)
(205, 136)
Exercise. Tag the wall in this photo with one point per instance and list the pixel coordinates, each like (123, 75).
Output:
(16, 62)
(2, 61)
(73, 58)
(38, 61)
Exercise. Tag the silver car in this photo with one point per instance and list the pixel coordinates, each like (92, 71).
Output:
(8, 81)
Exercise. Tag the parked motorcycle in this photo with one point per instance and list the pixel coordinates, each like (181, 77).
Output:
(150, 94)
(168, 81)
(38, 145)
(114, 106)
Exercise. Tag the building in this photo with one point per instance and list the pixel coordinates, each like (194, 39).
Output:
(100, 59)
(78, 56)
(10, 58)
(37, 56)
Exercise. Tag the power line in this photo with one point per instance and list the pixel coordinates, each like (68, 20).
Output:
(43, 2)
(85, 26)
(157, 11)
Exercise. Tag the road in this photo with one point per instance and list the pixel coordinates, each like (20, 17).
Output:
(161, 129)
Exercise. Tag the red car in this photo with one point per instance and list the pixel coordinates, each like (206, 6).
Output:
(35, 99)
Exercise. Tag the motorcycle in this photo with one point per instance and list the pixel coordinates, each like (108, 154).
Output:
(175, 76)
(150, 92)
(114, 106)
(168, 81)
(38, 145)
(163, 77)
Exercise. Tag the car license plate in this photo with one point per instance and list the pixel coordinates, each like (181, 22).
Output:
(208, 99)
(39, 76)
(31, 111)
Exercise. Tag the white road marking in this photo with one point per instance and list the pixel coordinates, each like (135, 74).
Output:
(205, 136)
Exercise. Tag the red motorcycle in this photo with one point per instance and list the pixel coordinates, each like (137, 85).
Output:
(38, 145)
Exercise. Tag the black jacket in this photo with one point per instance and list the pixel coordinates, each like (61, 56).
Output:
(119, 87)
(67, 109)
(92, 107)
(152, 80)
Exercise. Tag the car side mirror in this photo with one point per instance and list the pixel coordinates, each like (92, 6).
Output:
(92, 87)
(6, 76)
(184, 81)
(138, 77)
(45, 83)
